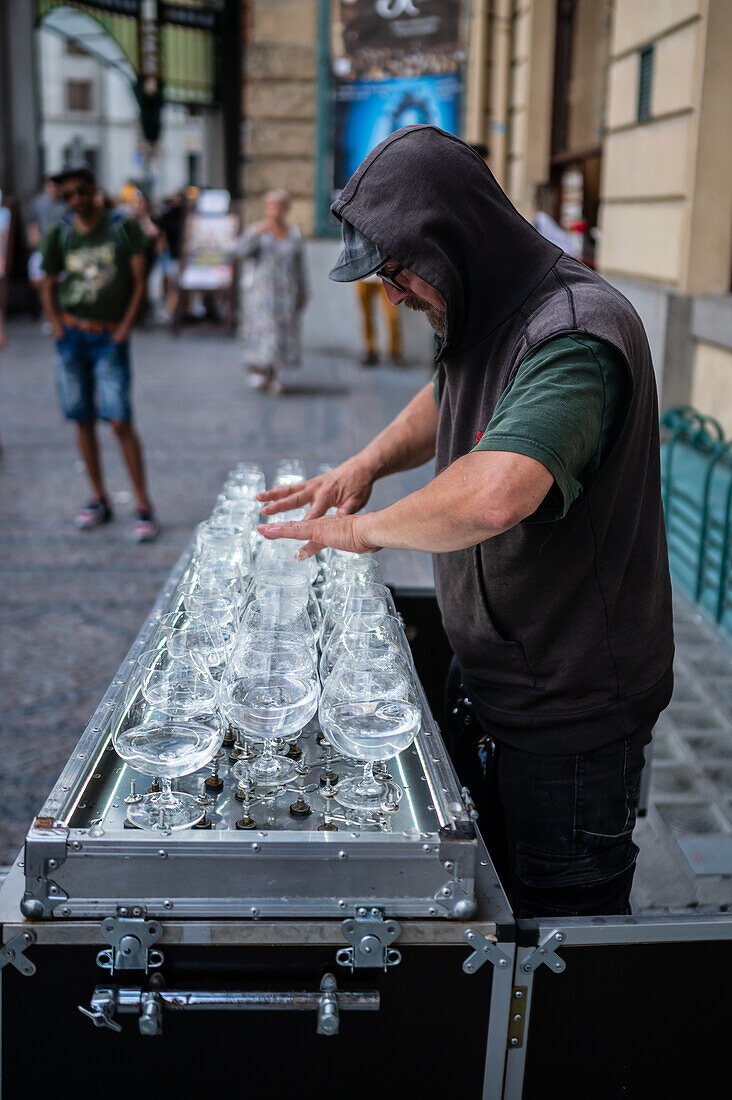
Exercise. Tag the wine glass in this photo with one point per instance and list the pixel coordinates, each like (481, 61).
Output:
(289, 471)
(364, 568)
(177, 685)
(381, 638)
(270, 690)
(205, 637)
(369, 710)
(284, 585)
(155, 742)
(247, 476)
(366, 600)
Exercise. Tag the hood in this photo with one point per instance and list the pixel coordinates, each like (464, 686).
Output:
(431, 203)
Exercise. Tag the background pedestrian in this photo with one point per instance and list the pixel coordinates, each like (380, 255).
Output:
(101, 257)
(369, 292)
(274, 294)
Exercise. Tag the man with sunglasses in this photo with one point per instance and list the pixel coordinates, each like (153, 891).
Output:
(94, 264)
(544, 518)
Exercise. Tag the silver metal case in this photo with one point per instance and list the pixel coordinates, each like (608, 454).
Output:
(81, 861)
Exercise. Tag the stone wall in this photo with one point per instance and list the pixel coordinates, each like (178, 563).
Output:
(667, 180)
(280, 97)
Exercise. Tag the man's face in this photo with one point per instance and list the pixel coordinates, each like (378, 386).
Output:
(78, 194)
(417, 295)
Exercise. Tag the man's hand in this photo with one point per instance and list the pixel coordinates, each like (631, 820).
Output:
(342, 532)
(347, 488)
(58, 330)
(121, 334)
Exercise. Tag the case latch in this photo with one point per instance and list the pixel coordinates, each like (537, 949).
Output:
(131, 940)
(370, 935)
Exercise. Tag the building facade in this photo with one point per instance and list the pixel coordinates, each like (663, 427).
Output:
(609, 115)
(89, 112)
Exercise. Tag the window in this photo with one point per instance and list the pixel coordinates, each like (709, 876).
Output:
(75, 49)
(645, 83)
(78, 95)
(192, 164)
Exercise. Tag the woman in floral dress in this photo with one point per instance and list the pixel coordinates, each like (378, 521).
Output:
(274, 294)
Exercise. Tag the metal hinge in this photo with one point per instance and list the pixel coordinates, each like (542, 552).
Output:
(484, 950)
(370, 935)
(517, 1018)
(545, 954)
(469, 804)
(13, 953)
(131, 940)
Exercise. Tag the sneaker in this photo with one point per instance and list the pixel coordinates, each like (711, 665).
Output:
(146, 529)
(370, 359)
(93, 514)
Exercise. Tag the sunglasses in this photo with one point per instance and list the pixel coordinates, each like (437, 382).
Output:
(70, 192)
(390, 277)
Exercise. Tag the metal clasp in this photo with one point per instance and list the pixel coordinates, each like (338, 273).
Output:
(370, 935)
(131, 939)
(103, 1006)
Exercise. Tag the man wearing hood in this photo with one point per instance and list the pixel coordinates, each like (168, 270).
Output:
(545, 516)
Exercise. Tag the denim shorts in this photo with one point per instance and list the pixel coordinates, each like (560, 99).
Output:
(93, 376)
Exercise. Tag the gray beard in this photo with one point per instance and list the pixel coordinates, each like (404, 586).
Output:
(435, 317)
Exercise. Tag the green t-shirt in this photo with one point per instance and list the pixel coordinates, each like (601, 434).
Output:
(97, 277)
(560, 409)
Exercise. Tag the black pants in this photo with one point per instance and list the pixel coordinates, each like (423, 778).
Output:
(559, 828)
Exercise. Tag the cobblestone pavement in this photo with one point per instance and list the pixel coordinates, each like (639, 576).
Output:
(72, 603)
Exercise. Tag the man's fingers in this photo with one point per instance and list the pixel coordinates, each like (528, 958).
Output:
(318, 508)
(285, 530)
(308, 550)
(287, 503)
(279, 491)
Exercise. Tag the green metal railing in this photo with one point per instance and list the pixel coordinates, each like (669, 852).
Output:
(696, 465)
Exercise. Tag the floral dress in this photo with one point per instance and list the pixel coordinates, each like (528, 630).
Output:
(274, 291)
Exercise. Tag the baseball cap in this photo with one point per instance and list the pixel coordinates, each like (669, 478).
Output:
(360, 256)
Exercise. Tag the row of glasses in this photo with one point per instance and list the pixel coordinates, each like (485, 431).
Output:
(170, 722)
(252, 638)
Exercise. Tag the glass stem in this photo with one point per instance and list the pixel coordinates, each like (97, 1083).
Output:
(167, 797)
(368, 773)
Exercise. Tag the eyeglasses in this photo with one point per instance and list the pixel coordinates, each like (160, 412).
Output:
(69, 193)
(390, 277)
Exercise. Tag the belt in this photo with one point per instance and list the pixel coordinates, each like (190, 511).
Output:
(88, 326)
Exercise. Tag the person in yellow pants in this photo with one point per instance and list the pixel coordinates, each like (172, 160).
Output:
(369, 290)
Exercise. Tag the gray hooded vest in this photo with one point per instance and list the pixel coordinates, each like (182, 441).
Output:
(563, 630)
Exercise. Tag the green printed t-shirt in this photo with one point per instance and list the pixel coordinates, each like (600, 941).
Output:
(97, 278)
(560, 409)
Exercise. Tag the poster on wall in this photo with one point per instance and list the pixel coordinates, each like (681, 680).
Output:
(395, 63)
(209, 251)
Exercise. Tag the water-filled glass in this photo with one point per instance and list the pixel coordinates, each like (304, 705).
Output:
(369, 710)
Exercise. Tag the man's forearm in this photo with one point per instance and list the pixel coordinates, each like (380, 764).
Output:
(134, 305)
(408, 441)
(48, 302)
(477, 497)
